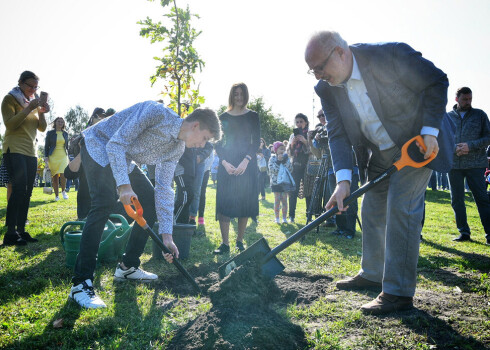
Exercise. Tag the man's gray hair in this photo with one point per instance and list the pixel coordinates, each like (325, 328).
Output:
(329, 39)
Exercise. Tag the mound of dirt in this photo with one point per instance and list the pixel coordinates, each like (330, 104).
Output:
(242, 317)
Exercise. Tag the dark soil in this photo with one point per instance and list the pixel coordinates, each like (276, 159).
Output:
(244, 313)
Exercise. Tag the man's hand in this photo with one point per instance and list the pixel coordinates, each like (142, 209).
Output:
(342, 191)
(431, 144)
(230, 169)
(462, 149)
(241, 167)
(125, 194)
(169, 243)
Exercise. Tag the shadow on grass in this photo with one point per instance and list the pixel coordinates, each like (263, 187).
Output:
(128, 328)
(33, 279)
(32, 204)
(443, 197)
(439, 332)
(470, 260)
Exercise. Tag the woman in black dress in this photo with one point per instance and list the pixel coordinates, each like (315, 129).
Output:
(237, 190)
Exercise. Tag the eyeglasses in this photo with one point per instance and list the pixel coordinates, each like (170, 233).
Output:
(319, 69)
(35, 88)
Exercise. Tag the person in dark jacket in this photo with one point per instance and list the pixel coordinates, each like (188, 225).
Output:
(471, 140)
(74, 169)
(56, 155)
(185, 173)
(375, 98)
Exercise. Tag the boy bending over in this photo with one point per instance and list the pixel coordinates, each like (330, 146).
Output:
(146, 133)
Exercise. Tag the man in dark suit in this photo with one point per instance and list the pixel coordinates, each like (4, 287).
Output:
(375, 98)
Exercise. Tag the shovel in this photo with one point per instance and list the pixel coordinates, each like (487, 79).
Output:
(137, 215)
(266, 258)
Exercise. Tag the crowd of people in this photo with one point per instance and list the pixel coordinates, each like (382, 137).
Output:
(374, 98)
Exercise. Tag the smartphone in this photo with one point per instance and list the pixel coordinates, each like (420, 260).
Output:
(43, 99)
(296, 131)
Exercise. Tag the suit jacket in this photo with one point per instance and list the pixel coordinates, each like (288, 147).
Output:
(407, 92)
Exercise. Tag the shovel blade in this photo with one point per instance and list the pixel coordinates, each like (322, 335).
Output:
(255, 252)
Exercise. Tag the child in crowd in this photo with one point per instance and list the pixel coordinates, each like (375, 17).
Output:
(279, 157)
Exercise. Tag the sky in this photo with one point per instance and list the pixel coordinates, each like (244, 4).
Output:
(90, 53)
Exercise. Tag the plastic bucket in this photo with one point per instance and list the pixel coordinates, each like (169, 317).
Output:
(182, 236)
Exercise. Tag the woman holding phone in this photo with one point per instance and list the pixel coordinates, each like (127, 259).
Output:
(23, 115)
(299, 151)
(56, 153)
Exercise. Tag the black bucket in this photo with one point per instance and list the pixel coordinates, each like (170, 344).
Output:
(182, 237)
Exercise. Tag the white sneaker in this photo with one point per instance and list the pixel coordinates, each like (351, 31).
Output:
(85, 296)
(65, 196)
(133, 273)
(276, 220)
(284, 221)
(56, 198)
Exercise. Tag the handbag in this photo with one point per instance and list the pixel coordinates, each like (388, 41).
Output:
(313, 166)
(47, 190)
(262, 164)
(285, 179)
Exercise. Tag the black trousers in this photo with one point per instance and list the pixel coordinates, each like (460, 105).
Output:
(185, 194)
(22, 172)
(202, 200)
(103, 194)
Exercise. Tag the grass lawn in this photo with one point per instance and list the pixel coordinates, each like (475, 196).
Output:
(452, 299)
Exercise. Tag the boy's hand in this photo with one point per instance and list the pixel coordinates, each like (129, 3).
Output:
(125, 194)
(169, 243)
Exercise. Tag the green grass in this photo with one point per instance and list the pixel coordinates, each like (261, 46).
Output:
(452, 297)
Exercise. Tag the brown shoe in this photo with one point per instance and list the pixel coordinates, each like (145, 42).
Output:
(358, 282)
(386, 303)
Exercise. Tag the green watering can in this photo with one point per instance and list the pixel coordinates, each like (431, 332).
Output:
(112, 245)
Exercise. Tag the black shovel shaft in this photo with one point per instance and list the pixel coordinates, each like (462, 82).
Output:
(302, 232)
(176, 262)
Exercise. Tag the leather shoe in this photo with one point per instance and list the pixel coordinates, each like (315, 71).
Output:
(462, 237)
(240, 246)
(13, 239)
(386, 303)
(222, 249)
(357, 282)
(27, 237)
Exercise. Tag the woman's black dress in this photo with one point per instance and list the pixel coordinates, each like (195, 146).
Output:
(237, 196)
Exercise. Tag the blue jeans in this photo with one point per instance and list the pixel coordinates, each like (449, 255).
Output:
(442, 180)
(196, 188)
(102, 188)
(433, 181)
(476, 182)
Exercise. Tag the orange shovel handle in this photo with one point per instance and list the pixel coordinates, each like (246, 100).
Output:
(405, 159)
(137, 212)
